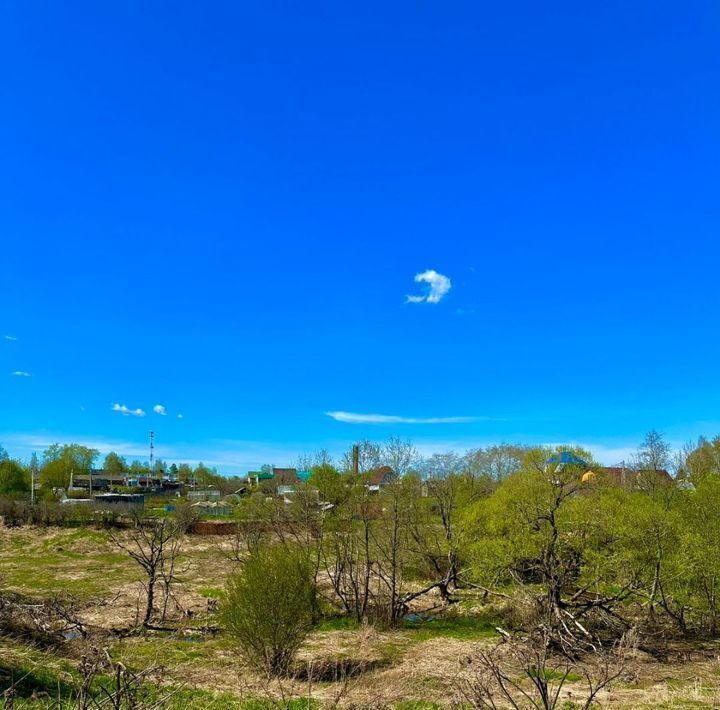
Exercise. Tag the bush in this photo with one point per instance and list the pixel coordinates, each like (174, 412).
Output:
(269, 606)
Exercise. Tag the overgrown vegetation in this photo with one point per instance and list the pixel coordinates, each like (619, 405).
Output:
(270, 606)
(550, 572)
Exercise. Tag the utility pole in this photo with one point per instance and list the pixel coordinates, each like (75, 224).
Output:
(32, 479)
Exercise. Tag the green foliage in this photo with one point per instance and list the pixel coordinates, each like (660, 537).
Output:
(338, 623)
(703, 461)
(115, 464)
(467, 628)
(550, 674)
(539, 530)
(270, 606)
(60, 462)
(14, 479)
(581, 548)
(211, 592)
(184, 472)
(329, 482)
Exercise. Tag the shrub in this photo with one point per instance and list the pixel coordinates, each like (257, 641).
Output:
(269, 606)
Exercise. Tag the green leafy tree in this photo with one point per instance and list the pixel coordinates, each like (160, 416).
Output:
(14, 479)
(703, 460)
(115, 464)
(203, 475)
(700, 512)
(138, 468)
(61, 462)
(653, 535)
(539, 532)
(331, 485)
(185, 472)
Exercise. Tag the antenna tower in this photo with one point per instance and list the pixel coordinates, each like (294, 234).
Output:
(152, 449)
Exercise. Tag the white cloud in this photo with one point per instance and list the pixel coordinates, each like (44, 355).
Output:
(439, 286)
(354, 418)
(125, 411)
(159, 409)
(9, 337)
(21, 373)
(179, 416)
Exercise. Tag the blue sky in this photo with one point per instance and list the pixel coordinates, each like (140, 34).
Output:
(222, 210)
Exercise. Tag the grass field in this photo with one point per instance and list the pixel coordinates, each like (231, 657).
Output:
(417, 666)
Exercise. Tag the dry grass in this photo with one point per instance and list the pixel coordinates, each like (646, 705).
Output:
(352, 667)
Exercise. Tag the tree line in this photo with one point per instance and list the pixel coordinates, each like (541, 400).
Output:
(547, 535)
(59, 463)
(562, 549)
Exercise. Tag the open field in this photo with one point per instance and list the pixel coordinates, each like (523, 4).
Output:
(420, 665)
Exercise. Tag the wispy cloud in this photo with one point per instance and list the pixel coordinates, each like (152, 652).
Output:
(180, 416)
(9, 337)
(159, 409)
(438, 284)
(355, 418)
(126, 412)
(21, 373)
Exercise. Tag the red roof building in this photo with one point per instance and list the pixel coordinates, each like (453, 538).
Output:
(285, 476)
(379, 477)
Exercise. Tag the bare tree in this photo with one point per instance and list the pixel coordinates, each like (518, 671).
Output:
(168, 574)
(104, 683)
(437, 544)
(306, 462)
(346, 554)
(401, 456)
(494, 462)
(491, 679)
(251, 531)
(440, 466)
(369, 457)
(154, 546)
(681, 462)
(653, 455)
